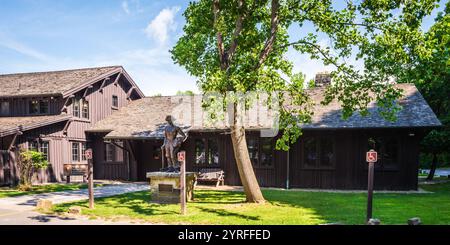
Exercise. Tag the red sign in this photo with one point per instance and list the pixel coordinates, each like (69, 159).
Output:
(88, 154)
(371, 156)
(181, 156)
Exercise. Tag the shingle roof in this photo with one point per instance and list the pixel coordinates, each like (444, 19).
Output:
(415, 113)
(10, 125)
(51, 83)
(144, 118)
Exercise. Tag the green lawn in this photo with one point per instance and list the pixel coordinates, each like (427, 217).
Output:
(283, 207)
(37, 189)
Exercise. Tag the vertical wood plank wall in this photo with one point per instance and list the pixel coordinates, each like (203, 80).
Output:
(349, 171)
(100, 106)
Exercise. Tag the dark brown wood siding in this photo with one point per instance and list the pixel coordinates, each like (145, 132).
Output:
(348, 170)
(60, 141)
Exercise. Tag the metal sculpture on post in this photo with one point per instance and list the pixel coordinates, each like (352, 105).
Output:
(172, 144)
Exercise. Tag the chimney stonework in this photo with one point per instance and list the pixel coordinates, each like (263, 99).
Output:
(322, 79)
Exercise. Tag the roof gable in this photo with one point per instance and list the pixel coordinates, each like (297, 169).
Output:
(56, 82)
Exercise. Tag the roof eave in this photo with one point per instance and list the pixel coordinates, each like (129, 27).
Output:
(31, 95)
(90, 82)
(32, 126)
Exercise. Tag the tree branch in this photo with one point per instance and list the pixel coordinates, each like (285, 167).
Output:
(325, 56)
(237, 31)
(268, 46)
(216, 11)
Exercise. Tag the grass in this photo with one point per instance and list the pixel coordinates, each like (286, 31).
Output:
(283, 207)
(37, 189)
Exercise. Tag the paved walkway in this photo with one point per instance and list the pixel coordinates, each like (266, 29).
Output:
(20, 210)
(443, 172)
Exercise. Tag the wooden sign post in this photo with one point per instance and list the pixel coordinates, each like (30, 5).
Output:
(371, 158)
(88, 156)
(182, 160)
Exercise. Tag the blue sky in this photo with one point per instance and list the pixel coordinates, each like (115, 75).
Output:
(41, 35)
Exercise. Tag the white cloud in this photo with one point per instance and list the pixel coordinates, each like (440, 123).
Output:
(22, 48)
(158, 29)
(125, 7)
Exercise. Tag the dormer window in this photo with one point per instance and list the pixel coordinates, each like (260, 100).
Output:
(43, 106)
(38, 107)
(4, 108)
(80, 108)
(34, 107)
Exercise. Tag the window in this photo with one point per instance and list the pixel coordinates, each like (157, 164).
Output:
(326, 152)
(115, 101)
(4, 108)
(33, 107)
(45, 149)
(80, 108)
(252, 145)
(38, 107)
(318, 152)
(43, 107)
(310, 152)
(109, 153)
(83, 151)
(156, 152)
(206, 151)
(213, 152)
(260, 151)
(388, 151)
(85, 109)
(33, 146)
(76, 107)
(266, 152)
(200, 152)
(40, 146)
(75, 152)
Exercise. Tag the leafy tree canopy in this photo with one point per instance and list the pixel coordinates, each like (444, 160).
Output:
(241, 46)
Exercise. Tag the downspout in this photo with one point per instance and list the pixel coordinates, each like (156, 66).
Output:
(287, 169)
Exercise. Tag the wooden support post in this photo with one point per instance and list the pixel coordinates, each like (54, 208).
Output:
(103, 84)
(64, 108)
(86, 91)
(129, 92)
(182, 160)
(370, 191)
(117, 79)
(89, 157)
(371, 159)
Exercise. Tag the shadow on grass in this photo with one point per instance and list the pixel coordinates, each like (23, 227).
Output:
(223, 212)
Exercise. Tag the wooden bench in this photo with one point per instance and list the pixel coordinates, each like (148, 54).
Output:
(76, 170)
(211, 175)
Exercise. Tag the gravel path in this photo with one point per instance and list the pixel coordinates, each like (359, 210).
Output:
(20, 210)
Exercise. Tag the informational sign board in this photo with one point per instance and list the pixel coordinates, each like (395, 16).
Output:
(88, 154)
(371, 156)
(181, 156)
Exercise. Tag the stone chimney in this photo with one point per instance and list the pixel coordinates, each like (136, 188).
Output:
(323, 79)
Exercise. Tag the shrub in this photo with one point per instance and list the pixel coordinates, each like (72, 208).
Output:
(29, 162)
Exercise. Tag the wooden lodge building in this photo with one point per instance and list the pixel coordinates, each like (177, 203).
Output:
(60, 113)
(50, 112)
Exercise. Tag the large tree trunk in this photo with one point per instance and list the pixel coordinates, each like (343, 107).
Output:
(433, 167)
(246, 173)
